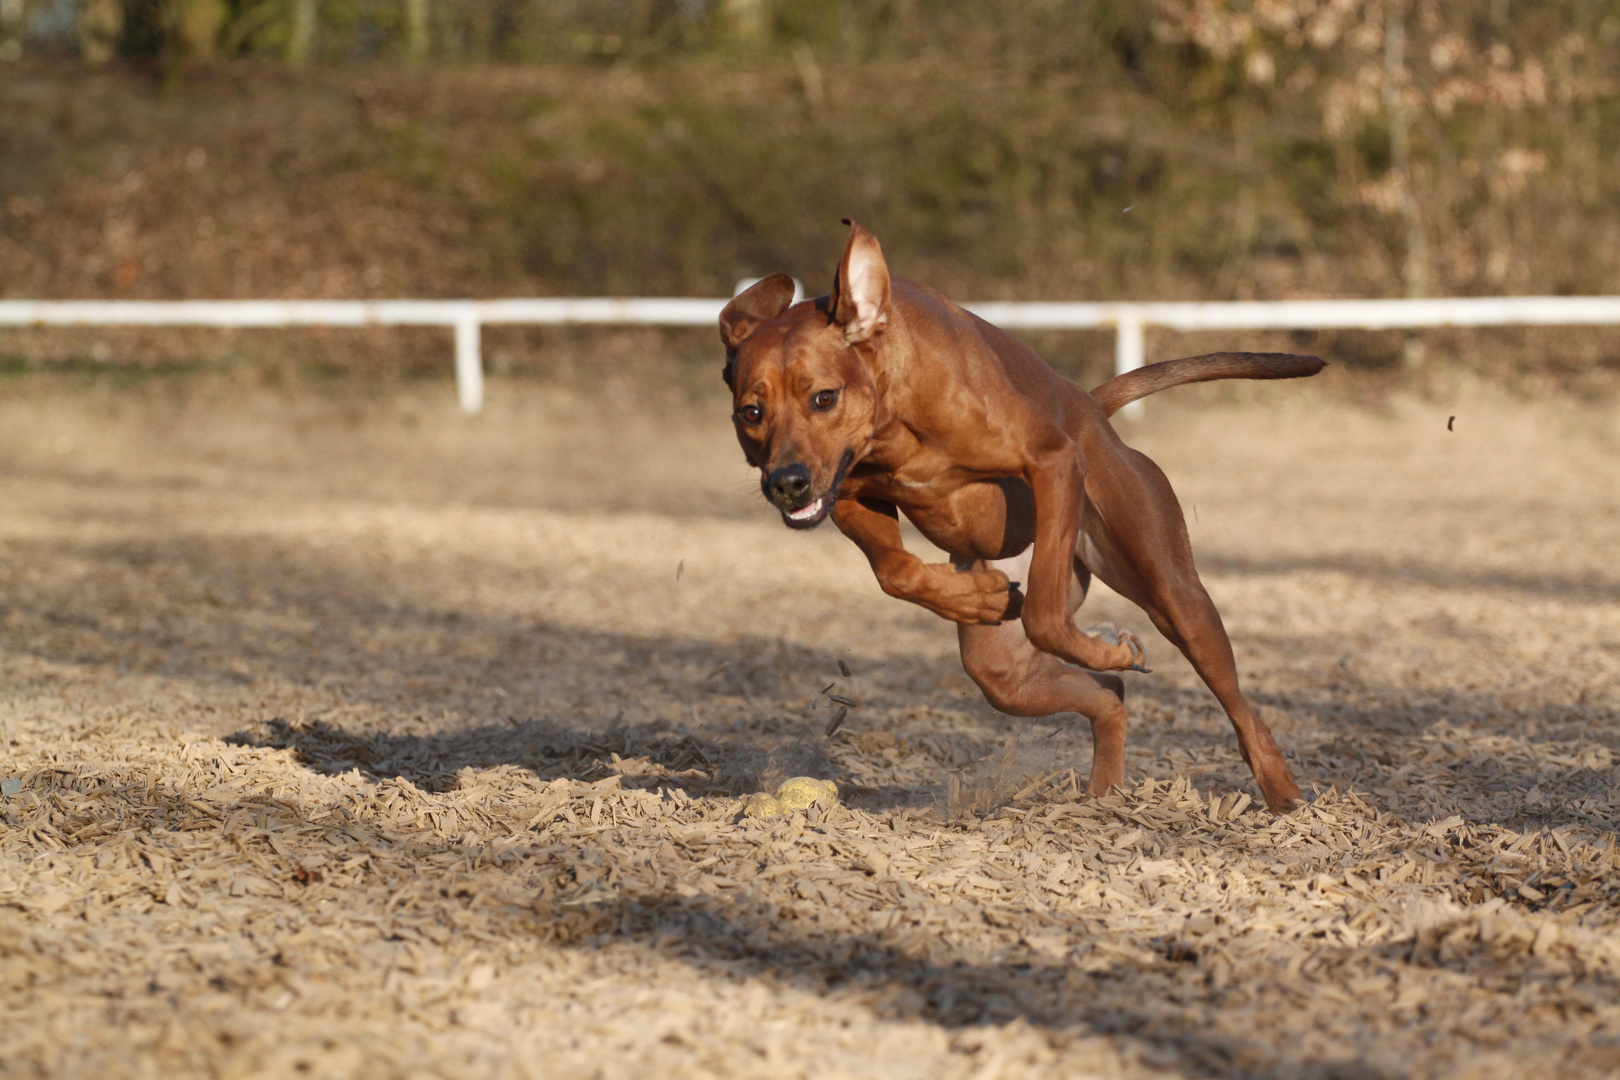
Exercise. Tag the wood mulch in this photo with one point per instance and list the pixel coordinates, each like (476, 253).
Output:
(311, 782)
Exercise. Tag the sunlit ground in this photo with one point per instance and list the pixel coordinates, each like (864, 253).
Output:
(359, 739)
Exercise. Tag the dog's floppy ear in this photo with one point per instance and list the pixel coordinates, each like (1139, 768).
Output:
(761, 302)
(860, 296)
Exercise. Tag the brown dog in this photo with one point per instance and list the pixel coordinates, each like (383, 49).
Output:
(885, 398)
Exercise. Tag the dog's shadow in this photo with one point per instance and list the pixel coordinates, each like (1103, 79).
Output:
(650, 755)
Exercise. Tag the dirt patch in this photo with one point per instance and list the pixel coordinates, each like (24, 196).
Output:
(357, 739)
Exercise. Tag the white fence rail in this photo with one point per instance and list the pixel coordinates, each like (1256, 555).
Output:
(1128, 320)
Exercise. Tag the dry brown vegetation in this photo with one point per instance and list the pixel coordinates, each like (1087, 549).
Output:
(359, 739)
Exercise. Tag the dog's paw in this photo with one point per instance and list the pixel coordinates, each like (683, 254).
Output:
(993, 598)
(978, 597)
(1136, 661)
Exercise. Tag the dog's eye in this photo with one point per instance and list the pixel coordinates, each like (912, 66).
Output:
(825, 399)
(751, 414)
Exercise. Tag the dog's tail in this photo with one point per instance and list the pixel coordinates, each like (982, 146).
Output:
(1121, 390)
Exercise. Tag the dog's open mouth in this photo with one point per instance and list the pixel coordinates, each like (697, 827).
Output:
(815, 511)
(809, 515)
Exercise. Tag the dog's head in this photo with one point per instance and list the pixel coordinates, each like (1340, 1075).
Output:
(801, 377)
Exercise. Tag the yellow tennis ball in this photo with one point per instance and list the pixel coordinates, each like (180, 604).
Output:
(762, 805)
(801, 792)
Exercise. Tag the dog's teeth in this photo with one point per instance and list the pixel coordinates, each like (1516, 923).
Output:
(806, 512)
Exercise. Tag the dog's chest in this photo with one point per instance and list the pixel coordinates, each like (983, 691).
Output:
(984, 519)
(962, 538)
(917, 486)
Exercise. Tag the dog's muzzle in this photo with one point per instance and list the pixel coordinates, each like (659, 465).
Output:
(788, 489)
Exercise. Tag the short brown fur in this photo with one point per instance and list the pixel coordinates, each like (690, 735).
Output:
(884, 398)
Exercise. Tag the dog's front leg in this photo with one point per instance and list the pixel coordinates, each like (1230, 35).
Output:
(1058, 483)
(972, 597)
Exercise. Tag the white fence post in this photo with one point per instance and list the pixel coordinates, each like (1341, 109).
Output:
(469, 363)
(1129, 351)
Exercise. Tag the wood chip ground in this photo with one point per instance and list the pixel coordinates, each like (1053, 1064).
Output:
(358, 740)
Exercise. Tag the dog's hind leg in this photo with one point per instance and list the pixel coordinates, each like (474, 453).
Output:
(1020, 680)
(1166, 586)
(1187, 616)
(1154, 569)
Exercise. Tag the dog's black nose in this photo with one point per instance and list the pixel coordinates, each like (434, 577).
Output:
(788, 486)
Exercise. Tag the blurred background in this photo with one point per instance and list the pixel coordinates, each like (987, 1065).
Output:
(1045, 149)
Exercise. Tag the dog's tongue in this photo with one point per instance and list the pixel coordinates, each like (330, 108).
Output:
(807, 512)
